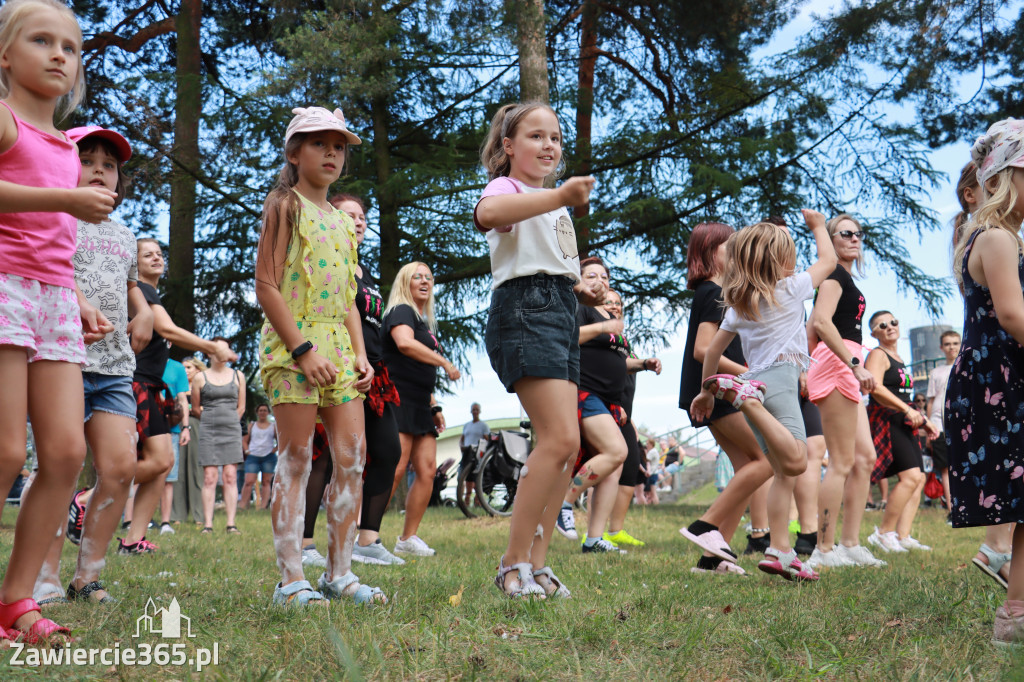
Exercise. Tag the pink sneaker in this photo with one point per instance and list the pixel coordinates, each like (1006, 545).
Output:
(785, 564)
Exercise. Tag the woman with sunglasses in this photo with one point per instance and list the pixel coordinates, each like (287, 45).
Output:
(894, 423)
(835, 382)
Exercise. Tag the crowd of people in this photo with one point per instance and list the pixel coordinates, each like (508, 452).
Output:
(85, 339)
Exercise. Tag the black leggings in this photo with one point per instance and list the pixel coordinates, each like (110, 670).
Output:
(631, 467)
(383, 450)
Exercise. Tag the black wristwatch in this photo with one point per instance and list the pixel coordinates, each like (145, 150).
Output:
(435, 409)
(301, 349)
(854, 362)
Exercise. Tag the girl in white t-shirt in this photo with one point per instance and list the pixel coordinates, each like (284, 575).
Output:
(532, 335)
(767, 311)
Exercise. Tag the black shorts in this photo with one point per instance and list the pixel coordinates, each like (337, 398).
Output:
(722, 408)
(413, 416)
(149, 411)
(812, 418)
(906, 453)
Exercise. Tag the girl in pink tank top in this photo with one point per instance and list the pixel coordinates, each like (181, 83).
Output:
(41, 322)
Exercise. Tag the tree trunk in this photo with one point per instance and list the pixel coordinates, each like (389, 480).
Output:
(180, 282)
(585, 113)
(533, 54)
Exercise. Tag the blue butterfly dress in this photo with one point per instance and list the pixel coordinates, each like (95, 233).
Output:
(984, 413)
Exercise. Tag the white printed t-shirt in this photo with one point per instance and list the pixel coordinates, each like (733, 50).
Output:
(542, 244)
(780, 335)
(106, 259)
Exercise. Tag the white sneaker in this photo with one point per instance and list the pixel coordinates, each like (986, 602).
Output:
(166, 529)
(311, 557)
(375, 553)
(858, 556)
(887, 542)
(413, 545)
(831, 559)
(910, 542)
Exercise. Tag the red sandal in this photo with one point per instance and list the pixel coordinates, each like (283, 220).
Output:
(38, 633)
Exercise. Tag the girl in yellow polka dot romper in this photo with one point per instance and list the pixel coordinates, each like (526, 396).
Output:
(312, 360)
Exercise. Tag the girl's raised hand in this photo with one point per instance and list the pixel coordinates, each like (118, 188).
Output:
(318, 369)
(813, 218)
(576, 191)
(91, 204)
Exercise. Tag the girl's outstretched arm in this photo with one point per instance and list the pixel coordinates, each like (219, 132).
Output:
(827, 259)
(270, 259)
(507, 209)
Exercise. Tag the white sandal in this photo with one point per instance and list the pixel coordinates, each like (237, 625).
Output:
(560, 591)
(364, 594)
(996, 560)
(527, 587)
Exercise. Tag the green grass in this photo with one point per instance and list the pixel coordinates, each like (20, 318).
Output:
(638, 616)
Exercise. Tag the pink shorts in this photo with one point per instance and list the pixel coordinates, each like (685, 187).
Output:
(42, 318)
(828, 373)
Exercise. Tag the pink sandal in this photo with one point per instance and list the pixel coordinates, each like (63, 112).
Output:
(38, 633)
(719, 384)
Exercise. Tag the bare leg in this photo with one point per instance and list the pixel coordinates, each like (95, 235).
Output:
(424, 463)
(999, 539)
(906, 520)
(1015, 588)
(551, 406)
(839, 420)
(288, 505)
(403, 463)
(621, 508)
(858, 484)
(605, 494)
(806, 490)
(112, 438)
(210, 494)
(944, 475)
(751, 468)
(166, 500)
(603, 436)
(266, 481)
(157, 461)
(344, 427)
(230, 476)
(250, 481)
(759, 508)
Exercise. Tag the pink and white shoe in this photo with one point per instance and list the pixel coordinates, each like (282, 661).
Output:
(711, 542)
(720, 384)
(785, 564)
(724, 568)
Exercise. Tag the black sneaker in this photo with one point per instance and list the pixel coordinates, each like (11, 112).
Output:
(805, 543)
(143, 546)
(76, 515)
(871, 506)
(602, 546)
(757, 545)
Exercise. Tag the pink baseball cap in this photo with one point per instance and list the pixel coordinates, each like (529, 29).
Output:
(121, 146)
(315, 119)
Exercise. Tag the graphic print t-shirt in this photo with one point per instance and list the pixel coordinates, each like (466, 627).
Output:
(850, 308)
(411, 377)
(602, 360)
(106, 259)
(371, 314)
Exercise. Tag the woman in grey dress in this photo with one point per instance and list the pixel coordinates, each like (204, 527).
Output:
(219, 395)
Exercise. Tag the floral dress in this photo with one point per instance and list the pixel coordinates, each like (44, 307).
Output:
(319, 287)
(984, 413)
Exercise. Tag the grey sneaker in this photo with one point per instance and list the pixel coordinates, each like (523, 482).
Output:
(858, 556)
(311, 557)
(375, 553)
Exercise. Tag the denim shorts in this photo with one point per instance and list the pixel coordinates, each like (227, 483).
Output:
(261, 465)
(110, 394)
(593, 406)
(532, 330)
(172, 475)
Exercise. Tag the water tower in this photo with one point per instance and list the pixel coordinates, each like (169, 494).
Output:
(925, 350)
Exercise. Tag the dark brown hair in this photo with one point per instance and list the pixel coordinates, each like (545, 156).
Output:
(89, 144)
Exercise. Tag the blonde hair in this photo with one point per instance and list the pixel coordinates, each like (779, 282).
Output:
(400, 294)
(998, 199)
(12, 18)
(504, 124)
(198, 364)
(760, 256)
(832, 226)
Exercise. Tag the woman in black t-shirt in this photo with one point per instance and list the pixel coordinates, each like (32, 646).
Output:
(705, 261)
(412, 354)
(383, 449)
(894, 422)
(835, 382)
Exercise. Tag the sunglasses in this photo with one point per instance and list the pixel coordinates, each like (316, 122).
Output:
(885, 325)
(850, 234)
(417, 277)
